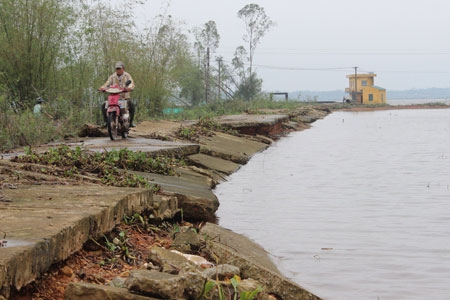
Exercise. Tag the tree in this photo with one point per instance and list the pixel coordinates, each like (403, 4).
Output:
(257, 23)
(206, 37)
(248, 88)
(206, 42)
(189, 79)
(31, 35)
(163, 50)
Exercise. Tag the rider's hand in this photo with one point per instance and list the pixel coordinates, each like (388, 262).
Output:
(101, 89)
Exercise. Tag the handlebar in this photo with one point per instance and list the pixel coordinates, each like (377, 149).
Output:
(117, 89)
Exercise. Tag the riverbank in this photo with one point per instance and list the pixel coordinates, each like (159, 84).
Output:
(211, 152)
(54, 213)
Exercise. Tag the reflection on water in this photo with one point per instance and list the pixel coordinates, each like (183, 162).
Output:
(357, 207)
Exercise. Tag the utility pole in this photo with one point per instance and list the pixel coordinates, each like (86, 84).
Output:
(355, 91)
(219, 61)
(207, 76)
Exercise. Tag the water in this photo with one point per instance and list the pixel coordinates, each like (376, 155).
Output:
(356, 207)
(417, 101)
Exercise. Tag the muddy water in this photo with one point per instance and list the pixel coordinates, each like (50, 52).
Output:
(357, 207)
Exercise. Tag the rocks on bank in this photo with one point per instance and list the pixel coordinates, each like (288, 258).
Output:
(57, 218)
(241, 268)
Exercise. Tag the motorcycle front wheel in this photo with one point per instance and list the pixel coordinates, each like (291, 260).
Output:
(113, 126)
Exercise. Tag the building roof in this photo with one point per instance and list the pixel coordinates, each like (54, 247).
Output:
(361, 75)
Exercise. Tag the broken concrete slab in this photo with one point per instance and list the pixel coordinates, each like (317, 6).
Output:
(254, 124)
(253, 120)
(195, 198)
(52, 222)
(152, 146)
(214, 163)
(230, 147)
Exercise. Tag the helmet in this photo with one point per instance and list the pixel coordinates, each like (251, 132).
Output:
(39, 100)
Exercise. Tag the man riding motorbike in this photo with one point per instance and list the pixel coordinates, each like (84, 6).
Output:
(120, 77)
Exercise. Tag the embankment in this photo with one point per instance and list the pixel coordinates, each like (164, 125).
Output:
(47, 217)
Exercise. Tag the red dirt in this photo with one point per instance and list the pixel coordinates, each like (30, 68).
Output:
(96, 263)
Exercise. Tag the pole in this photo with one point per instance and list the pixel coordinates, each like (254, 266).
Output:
(207, 76)
(355, 92)
(219, 61)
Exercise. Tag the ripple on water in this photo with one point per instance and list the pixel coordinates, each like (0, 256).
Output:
(374, 189)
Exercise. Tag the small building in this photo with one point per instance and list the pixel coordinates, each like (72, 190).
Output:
(363, 91)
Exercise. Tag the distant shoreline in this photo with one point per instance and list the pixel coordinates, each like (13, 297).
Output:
(411, 94)
(394, 107)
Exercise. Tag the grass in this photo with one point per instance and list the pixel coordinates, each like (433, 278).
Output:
(18, 129)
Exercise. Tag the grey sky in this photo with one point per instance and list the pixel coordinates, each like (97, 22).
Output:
(316, 43)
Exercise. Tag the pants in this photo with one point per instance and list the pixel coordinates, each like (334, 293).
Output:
(131, 109)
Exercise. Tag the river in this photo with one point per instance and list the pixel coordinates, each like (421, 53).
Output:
(356, 207)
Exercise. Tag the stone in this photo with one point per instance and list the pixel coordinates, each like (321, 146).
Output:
(156, 284)
(187, 241)
(222, 272)
(89, 291)
(167, 261)
(177, 263)
(118, 282)
(195, 283)
(196, 259)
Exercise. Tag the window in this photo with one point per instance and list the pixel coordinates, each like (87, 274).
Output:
(370, 97)
(364, 82)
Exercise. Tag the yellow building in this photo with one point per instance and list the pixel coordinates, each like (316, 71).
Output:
(363, 91)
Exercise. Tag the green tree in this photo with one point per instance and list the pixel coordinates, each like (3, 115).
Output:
(31, 35)
(257, 23)
(164, 53)
(206, 42)
(207, 37)
(190, 80)
(249, 88)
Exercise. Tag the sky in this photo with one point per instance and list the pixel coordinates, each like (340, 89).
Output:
(316, 43)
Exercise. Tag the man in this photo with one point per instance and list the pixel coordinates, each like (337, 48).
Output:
(119, 78)
(37, 109)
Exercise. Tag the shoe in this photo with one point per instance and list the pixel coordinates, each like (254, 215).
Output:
(132, 124)
(105, 125)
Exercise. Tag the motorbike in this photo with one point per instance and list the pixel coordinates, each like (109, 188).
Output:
(118, 116)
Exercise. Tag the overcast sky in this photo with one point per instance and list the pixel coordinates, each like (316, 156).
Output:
(316, 43)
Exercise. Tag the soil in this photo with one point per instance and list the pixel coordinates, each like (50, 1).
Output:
(98, 263)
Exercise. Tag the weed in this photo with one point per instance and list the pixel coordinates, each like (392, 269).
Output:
(120, 247)
(212, 285)
(205, 127)
(111, 166)
(136, 218)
